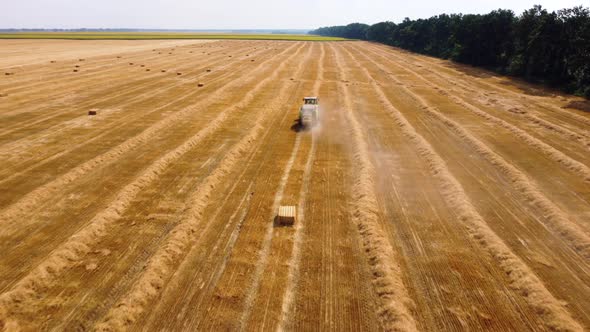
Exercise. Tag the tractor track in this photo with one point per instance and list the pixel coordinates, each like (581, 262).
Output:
(431, 197)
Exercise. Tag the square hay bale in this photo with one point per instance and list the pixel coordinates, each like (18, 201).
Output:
(287, 215)
(200, 85)
(92, 112)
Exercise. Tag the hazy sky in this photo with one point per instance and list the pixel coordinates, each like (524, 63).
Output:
(233, 14)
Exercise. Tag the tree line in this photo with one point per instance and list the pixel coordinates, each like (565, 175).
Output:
(538, 45)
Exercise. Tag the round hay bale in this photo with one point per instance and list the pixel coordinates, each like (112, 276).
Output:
(147, 69)
(200, 85)
(131, 63)
(178, 74)
(52, 61)
(208, 70)
(75, 70)
(142, 66)
(163, 70)
(8, 73)
(81, 59)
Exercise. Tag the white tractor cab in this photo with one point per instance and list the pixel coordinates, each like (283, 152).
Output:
(309, 114)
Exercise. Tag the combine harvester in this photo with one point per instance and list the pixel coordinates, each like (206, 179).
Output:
(309, 114)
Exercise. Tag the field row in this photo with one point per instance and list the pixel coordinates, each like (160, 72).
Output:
(430, 197)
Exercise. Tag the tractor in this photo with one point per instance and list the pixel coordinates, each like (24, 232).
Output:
(309, 114)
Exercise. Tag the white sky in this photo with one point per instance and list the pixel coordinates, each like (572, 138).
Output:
(234, 14)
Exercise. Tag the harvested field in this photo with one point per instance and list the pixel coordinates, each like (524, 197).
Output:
(431, 197)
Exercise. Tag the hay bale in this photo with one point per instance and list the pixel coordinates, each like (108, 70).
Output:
(147, 69)
(163, 70)
(52, 61)
(77, 66)
(75, 70)
(92, 112)
(287, 215)
(131, 63)
(3, 95)
(200, 85)
(208, 70)
(81, 59)
(8, 73)
(178, 74)
(142, 66)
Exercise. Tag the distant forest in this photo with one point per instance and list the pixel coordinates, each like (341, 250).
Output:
(540, 46)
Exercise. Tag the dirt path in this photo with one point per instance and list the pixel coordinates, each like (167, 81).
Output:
(431, 197)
